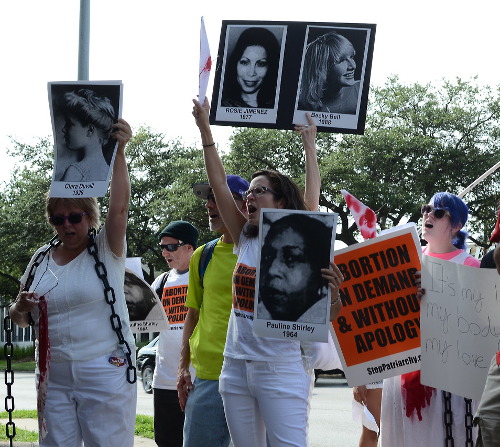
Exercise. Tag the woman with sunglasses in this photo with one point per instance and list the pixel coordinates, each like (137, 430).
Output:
(263, 382)
(413, 414)
(83, 372)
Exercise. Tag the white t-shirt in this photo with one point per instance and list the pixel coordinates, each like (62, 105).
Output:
(169, 345)
(78, 314)
(241, 343)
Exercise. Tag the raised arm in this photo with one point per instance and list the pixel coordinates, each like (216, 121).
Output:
(119, 195)
(313, 180)
(231, 215)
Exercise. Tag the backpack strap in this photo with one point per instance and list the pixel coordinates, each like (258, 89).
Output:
(159, 290)
(205, 257)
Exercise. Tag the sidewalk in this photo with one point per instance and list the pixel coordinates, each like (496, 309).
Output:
(32, 425)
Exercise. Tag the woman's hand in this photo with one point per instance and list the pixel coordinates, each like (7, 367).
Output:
(418, 283)
(359, 394)
(122, 132)
(201, 113)
(26, 302)
(307, 131)
(335, 279)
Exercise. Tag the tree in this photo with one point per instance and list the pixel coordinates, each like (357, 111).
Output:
(162, 174)
(419, 140)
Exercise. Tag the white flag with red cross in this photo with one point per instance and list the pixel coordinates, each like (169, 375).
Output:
(365, 217)
(205, 63)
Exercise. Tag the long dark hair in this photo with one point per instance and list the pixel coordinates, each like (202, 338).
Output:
(264, 38)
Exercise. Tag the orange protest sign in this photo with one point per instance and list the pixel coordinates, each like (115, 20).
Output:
(174, 300)
(380, 313)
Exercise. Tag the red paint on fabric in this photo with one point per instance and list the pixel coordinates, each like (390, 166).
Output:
(43, 364)
(415, 395)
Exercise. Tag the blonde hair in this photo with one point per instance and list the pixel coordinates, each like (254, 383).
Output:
(88, 204)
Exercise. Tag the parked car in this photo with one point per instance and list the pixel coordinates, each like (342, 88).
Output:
(146, 361)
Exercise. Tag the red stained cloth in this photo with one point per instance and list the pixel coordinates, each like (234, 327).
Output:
(43, 364)
(415, 395)
(495, 236)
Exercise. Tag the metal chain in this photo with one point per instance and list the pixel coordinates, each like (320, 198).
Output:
(448, 420)
(109, 296)
(468, 423)
(10, 426)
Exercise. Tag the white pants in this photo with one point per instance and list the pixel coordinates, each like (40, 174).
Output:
(260, 396)
(89, 401)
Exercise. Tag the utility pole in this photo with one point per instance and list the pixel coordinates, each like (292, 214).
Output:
(84, 41)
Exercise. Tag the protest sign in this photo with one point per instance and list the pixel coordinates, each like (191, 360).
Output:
(83, 114)
(460, 326)
(292, 300)
(378, 328)
(269, 74)
(145, 310)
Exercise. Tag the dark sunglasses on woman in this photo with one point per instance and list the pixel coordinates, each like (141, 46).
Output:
(72, 218)
(438, 212)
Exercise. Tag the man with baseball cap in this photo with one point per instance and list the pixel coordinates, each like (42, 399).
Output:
(178, 240)
(209, 306)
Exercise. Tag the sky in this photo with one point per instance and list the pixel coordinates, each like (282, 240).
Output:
(152, 46)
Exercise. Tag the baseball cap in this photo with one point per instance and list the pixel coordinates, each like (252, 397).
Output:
(236, 184)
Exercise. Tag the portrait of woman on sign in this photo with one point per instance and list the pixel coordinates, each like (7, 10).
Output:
(331, 73)
(82, 119)
(251, 70)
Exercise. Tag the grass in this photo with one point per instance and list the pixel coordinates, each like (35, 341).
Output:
(143, 426)
(20, 365)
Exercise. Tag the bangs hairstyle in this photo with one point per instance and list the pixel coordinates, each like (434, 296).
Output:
(89, 108)
(459, 213)
(88, 204)
(323, 52)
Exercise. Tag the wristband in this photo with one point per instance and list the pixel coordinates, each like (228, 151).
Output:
(208, 145)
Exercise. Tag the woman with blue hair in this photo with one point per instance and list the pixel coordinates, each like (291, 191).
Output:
(413, 414)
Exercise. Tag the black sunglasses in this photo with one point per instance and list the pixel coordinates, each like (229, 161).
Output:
(438, 212)
(72, 218)
(171, 247)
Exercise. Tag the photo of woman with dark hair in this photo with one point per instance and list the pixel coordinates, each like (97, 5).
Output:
(294, 251)
(328, 81)
(251, 70)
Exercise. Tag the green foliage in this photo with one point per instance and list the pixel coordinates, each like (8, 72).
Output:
(144, 426)
(21, 353)
(419, 139)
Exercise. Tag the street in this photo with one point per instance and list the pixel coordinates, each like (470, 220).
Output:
(330, 422)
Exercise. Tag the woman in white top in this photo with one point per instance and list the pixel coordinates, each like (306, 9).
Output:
(85, 373)
(412, 413)
(263, 383)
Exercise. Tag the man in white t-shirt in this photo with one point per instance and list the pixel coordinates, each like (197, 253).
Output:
(177, 242)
